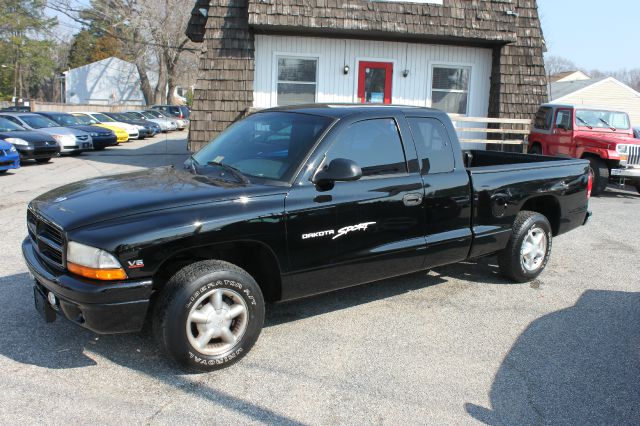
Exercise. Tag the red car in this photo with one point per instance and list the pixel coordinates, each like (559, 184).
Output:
(603, 137)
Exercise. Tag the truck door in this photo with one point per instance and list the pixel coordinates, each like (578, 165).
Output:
(447, 198)
(359, 231)
(563, 133)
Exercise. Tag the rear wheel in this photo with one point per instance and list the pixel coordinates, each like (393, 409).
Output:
(600, 172)
(536, 149)
(528, 249)
(209, 315)
(43, 160)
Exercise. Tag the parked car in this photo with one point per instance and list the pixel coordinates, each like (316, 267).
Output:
(71, 141)
(16, 109)
(101, 118)
(30, 144)
(9, 157)
(173, 123)
(284, 204)
(178, 111)
(121, 134)
(102, 138)
(160, 124)
(146, 129)
(602, 136)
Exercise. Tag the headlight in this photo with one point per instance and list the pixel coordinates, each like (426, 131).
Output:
(94, 134)
(12, 149)
(94, 263)
(622, 149)
(17, 141)
(140, 128)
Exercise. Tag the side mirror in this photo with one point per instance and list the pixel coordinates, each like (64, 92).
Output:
(338, 170)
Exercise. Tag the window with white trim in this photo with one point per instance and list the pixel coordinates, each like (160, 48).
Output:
(297, 80)
(450, 88)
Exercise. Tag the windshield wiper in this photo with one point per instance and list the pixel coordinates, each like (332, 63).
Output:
(584, 122)
(235, 172)
(607, 123)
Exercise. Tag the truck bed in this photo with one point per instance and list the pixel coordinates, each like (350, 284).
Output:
(477, 158)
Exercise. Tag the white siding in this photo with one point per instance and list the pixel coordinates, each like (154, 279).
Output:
(334, 54)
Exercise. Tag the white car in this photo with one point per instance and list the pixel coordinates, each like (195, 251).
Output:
(101, 118)
(71, 140)
(172, 122)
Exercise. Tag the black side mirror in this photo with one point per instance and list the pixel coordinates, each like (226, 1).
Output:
(338, 170)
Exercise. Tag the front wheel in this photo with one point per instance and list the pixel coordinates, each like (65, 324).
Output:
(536, 149)
(638, 188)
(600, 172)
(209, 315)
(528, 249)
(43, 160)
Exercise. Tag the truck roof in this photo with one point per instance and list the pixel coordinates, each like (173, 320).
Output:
(579, 106)
(343, 110)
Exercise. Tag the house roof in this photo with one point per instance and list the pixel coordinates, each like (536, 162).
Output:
(560, 89)
(561, 75)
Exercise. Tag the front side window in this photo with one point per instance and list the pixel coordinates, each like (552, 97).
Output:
(269, 145)
(297, 80)
(433, 145)
(563, 119)
(543, 118)
(374, 145)
(450, 89)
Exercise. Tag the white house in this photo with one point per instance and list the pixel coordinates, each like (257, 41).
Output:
(106, 82)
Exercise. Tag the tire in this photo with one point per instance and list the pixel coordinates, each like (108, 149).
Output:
(527, 228)
(536, 149)
(3, 172)
(180, 315)
(598, 168)
(43, 160)
(638, 188)
(100, 148)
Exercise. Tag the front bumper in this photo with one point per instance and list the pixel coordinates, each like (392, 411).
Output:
(8, 162)
(629, 173)
(118, 307)
(31, 153)
(103, 142)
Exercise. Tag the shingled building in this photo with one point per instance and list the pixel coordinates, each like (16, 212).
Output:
(474, 57)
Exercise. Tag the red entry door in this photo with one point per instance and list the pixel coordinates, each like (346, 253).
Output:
(374, 82)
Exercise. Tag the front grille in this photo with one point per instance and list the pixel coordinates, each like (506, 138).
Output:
(104, 134)
(82, 137)
(47, 238)
(634, 155)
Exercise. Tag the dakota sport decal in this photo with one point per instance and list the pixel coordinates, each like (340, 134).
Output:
(341, 232)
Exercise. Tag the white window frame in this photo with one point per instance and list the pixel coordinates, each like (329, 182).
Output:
(451, 65)
(275, 81)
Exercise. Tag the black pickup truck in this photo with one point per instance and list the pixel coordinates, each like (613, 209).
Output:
(288, 203)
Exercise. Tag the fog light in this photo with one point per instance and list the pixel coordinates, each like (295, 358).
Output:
(51, 298)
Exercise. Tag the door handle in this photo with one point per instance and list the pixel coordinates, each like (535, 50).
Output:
(412, 199)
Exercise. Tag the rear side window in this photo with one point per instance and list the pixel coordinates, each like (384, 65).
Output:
(563, 119)
(433, 145)
(375, 145)
(543, 118)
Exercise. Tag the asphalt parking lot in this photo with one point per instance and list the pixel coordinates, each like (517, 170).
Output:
(457, 345)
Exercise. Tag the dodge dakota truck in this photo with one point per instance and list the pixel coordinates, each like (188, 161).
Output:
(287, 203)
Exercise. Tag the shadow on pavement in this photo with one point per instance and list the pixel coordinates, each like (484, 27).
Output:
(579, 365)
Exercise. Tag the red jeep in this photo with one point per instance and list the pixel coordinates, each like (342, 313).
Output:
(603, 137)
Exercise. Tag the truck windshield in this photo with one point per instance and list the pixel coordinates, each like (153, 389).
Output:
(601, 119)
(267, 145)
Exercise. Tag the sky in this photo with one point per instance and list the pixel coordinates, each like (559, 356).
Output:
(593, 34)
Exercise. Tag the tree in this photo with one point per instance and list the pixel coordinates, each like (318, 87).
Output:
(24, 47)
(557, 64)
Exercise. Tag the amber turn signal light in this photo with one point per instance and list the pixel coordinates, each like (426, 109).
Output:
(97, 274)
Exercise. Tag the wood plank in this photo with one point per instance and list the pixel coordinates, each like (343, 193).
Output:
(493, 141)
(481, 129)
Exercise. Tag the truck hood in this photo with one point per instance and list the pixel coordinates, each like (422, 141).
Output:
(104, 198)
(598, 139)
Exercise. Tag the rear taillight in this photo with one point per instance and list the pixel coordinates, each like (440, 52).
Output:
(589, 185)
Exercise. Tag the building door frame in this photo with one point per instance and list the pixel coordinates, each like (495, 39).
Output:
(388, 85)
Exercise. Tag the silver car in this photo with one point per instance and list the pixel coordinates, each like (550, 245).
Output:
(140, 115)
(71, 140)
(154, 113)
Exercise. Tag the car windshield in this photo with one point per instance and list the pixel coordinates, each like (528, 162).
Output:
(65, 119)
(148, 115)
(8, 126)
(103, 118)
(267, 145)
(119, 117)
(85, 120)
(155, 113)
(38, 121)
(135, 115)
(602, 119)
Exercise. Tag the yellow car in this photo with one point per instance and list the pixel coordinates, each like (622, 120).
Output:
(121, 134)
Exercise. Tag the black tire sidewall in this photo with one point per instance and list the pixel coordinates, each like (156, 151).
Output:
(600, 173)
(536, 220)
(175, 334)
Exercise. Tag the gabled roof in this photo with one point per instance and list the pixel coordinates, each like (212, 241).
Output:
(574, 75)
(561, 89)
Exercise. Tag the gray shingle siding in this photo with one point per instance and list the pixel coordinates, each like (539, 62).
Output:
(224, 91)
